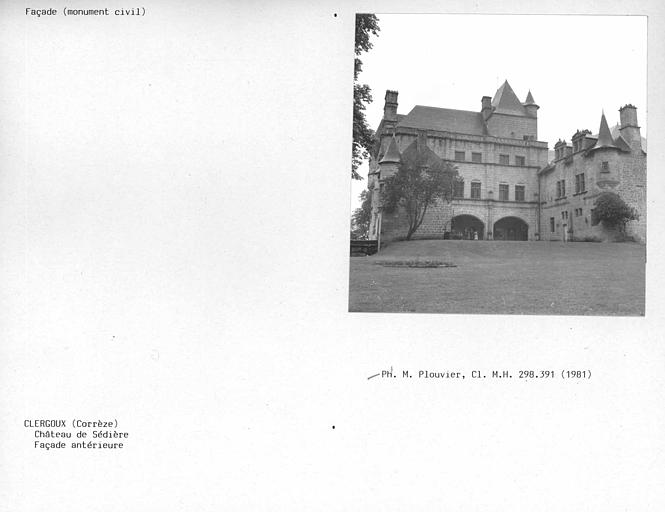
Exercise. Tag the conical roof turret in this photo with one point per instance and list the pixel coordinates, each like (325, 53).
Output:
(529, 99)
(392, 156)
(605, 139)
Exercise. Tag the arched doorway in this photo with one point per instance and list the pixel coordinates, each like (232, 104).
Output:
(511, 228)
(467, 227)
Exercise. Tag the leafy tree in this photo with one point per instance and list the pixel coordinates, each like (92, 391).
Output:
(363, 135)
(613, 211)
(419, 182)
(361, 217)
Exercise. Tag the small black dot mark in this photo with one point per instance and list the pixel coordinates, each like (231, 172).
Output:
(335, 15)
(333, 427)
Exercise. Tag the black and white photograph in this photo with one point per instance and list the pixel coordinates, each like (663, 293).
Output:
(332, 256)
(499, 164)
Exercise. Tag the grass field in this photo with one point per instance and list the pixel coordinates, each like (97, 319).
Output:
(502, 278)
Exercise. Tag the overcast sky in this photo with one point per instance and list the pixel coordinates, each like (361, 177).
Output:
(575, 66)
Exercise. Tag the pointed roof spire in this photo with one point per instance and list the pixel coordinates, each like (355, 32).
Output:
(392, 156)
(605, 139)
(529, 99)
(506, 100)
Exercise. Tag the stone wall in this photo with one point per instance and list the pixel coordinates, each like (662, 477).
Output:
(438, 218)
(489, 173)
(512, 126)
(626, 176)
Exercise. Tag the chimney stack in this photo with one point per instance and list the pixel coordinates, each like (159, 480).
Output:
(390, 106)
(486, 108)
(629, 129)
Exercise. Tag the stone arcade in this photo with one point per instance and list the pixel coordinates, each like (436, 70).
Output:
(508, 190)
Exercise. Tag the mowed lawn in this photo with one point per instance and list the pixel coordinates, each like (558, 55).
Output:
(493, 277)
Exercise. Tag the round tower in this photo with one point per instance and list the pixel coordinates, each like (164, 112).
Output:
(530, 106)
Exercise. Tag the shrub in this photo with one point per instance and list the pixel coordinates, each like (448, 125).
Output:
(613, 212)
(590, 238)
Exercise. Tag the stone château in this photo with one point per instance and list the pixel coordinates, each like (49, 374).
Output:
(507, 189)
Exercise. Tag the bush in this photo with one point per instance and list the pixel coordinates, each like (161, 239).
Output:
(586, 239)
(612, 211)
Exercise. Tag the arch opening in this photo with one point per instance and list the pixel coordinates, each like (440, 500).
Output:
(511, 228)
(467, 227)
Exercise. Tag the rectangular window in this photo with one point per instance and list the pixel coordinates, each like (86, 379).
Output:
(519, 160)
(459, 156)
(475, 190)
(563, 188)
(503, 192)
(459, 188)
(552, 224)
(558, 189)
(476, 157)
(519, 192)
(504, 159)
(605, 167)
(579, 184)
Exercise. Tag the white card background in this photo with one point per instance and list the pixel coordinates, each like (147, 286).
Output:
(174, 210)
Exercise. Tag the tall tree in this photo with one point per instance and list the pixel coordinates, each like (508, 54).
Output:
(420, 181)
(363, 136)
(361, 217)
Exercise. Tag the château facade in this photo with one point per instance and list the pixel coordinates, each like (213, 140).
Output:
(612, 161)
(507, 189)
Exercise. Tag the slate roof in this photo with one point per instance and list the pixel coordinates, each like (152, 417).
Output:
(392, 154)
(505, 101)
(529, 99)
(463, 121)
(605, 139)
(445, 120)
(616, 134)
